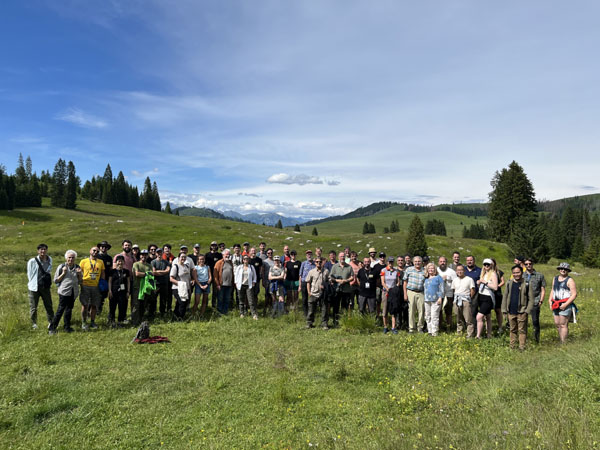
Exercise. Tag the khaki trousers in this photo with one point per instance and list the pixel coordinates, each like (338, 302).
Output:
(464, 318)
(518, 327)
(416, 302)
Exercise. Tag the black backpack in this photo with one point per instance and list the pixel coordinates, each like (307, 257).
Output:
(46, 280)
(143, 332)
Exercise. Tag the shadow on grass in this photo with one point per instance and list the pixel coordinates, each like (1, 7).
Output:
(28, 216)
(95, 213)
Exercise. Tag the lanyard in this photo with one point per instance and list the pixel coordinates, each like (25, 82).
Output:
(93, 267)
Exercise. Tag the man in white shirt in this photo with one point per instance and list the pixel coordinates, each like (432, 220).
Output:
(448, 275)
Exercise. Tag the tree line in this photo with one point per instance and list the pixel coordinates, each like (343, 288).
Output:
(24, 188)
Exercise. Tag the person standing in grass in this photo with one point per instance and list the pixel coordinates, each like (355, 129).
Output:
(138, 305)
(277, 287)
(305, 268)
(464, 291)
(487, 285)
(118, 291)
(257, 263)
(367, 280)
(68, 278)
(39, 281)
(223, 276)
(211, 259)
(93, 270)
(182, 275)
(517, 303)
(161, 268)
(355, 264)
(562, 296)
(103, 248)
(317, 280)
(202, 286)
(389, 279)
(402, 320)
(414, 282)
(377, 268)
(268, 262)
(292, 281)
(341, 276)
(535, 282)
(498, 298)
(448, 275)
(434, 290)
(245, 278)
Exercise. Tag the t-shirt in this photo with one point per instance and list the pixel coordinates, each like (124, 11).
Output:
(212, 258)
(377, 268)
(119, 278)
(450, 275)
(342, 273)
(293, 270)
(161, 264)
(227, 274)
(91, 271)
(367, 276)
(317, 278)
(275, 271)
(181, 272)
(202, 273)
(140, 267)
(463, 286)
(257, 263)
(268, 263)
(390, 277)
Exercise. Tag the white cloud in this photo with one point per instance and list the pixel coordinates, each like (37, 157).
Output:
(301, 179)
(77, 117)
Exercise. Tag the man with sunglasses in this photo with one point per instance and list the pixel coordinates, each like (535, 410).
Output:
(92, 269)
(536, 283)
(103, 248)
(268, 263)
(211, 259)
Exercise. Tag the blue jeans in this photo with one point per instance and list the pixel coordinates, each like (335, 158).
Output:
(224, 299)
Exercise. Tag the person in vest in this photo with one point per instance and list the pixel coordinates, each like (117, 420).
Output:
(562, 296)
(517, 303)
(39, 281)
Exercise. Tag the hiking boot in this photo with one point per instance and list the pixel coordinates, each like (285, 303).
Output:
(69, 330)
(93, 326)
(395, 331)
(385, 330)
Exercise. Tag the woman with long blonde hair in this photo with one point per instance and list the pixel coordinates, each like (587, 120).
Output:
(487, 285)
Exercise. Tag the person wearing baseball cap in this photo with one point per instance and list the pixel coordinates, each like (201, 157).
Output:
(195, 254)
(135, 252)
(103, 248)
(562, 296)
(305, 268)
(211, 258)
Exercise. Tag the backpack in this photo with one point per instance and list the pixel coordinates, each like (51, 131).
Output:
(46, 280)
(143, 331)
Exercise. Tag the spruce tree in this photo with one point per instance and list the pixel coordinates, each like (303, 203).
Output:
(72, 185)
(168, 208)
(415, 242)
(296, 227)
(531, 241)
(365, 228)
(512, 196)
(155, 197)
(59, 184)
(315, 232)
(279, 224)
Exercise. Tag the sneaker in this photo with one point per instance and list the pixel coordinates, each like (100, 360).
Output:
(34, 326)
(394, 331)
(385, 330)
(241, 316)
(93, 326)
(255, 317)
(84, 326)
(51, 331)
(69, 330)
(325, 327)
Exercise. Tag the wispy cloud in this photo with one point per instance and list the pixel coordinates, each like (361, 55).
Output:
(249, 194)
(588, 188)
(138, 174)
(77, 117)
(300, 179)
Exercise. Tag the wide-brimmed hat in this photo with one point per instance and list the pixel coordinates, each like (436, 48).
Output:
(372, 250)
(564, 265)
(104, 244)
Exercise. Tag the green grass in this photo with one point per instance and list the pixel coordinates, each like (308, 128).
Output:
(235, 383)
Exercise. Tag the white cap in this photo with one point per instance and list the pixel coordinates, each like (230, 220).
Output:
(488, 261)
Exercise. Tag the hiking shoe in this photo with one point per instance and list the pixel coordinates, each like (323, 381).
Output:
(84, 326)
(325, 327)
(52, 332)
(241, 316)
(69, 330)
(93, 326)
(309, 326)
(34, 326)
(385, 330)
(255, 317)
(395, 331)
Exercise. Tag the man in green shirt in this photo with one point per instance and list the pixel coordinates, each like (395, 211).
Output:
(341, 276)
(140, 268)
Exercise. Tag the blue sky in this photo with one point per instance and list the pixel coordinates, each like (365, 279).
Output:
(306, 108)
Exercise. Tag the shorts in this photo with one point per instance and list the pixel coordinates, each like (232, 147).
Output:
(566, 313)
(90, 296)
(291, 285)
(199, 290)
(486, 305)
(277, 288)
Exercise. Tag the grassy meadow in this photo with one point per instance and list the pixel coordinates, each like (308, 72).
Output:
(226, 382)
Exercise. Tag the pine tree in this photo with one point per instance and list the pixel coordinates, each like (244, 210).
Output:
(20, 172)
(296, 227)
(365, 228)
(72, 185)
(177, 212)
(168, 208)
(386, 230)
(155, 197)
(415, 242)
(315, 232)
(279, 224)
(512, 196)
(372, 228)
(146, 198)
(59, 184)
(529, 239)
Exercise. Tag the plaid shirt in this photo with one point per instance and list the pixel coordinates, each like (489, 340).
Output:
(415, 279)
(535, 281)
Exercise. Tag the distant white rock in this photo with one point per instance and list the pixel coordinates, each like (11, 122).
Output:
(388, 237)
(339, 245)
(289, 238)
(358, 242)
(118, 220)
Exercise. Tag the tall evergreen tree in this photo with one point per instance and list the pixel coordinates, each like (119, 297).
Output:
(296, 227)
(168, 208)
(415, 241)
(512, 196)
(279, 224)
(72, 185)
(531, 241)
(59, 184)
(315, 232)
(155, 197)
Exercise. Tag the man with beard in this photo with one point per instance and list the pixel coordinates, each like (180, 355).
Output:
(257, 263)
(448, 275)
(103, 248)
(211, 259)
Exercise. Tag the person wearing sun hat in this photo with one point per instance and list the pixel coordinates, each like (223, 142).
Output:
(103, 248)
(562, 296)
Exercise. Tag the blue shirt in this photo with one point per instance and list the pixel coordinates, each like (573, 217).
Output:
(475, 274)
(434, 288)
(306, 267)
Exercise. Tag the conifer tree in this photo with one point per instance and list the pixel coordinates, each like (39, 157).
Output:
(168, 208)
(72, 185)
(59, 184)
(315, 232)
(415, 242)
(296, 227)
(279, 224)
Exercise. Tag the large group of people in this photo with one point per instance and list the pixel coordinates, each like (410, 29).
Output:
(409, 293)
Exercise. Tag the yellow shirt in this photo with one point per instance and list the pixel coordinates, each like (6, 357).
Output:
(91, 270)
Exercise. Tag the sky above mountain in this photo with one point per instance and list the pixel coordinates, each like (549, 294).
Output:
(306, 108)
